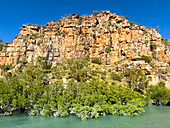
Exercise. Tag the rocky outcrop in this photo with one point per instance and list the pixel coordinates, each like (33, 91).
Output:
(87, 35)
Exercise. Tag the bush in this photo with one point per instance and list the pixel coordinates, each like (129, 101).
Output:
(126, 17)
(103, 77)
(153, 46)
(47, 66)
(96, 61)
(154, 54)
(145, 32)
(146, 41)
(146, 58)
(1, 47)
(158, 93)
(23, 61)
(80, 20)
(161, 84)
(136, 79)
(30, 92)
(116, 77)
(59, 64)
(108, 49)
(132, 23)
(33, 36)
(95, 12)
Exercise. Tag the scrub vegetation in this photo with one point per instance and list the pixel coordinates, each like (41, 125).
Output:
(89, 92)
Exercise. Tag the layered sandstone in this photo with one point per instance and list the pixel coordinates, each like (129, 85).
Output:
(87, 35)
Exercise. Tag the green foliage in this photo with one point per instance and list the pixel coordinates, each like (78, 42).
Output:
(158, 93)
(136, 79)
(78, 68)
(22, 61)
(135, 50)
(103, 76)
(33, 36)
(30, 91)
(41, 36)
(140, 25)
(95, 12)
(66, 15)
(96, 61)
(1, 46)
(126, 17)
(144, 32)
(110, 23)
(153, 46)
(80, 20)
(108, 49)
(116, 76)
(42, 61)
(164, 71)
(38, 43)
(146, 58)
(6, 67)
(132, 23)
(84, 99)
(146, 41)
(154, 54)
(161, 84)
(47, 66)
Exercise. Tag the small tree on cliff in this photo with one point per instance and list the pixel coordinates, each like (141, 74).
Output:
(66, 15)
(0, 41)
(108, 49)
(126, 17)
(1, 45)
(157, 28)
(95, 12)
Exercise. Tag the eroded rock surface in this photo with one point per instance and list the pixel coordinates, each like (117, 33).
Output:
(87, 35)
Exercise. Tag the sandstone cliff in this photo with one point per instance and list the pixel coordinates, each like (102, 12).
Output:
(87, 35)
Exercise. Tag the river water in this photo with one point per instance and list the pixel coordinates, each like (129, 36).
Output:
(154, 117)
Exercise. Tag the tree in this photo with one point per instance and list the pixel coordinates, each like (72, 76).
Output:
(95, 12)
(116, 76)
(78, 68)
(126, 17)
(66, 15)
(1, 45)
(158, 93)
(136, 79)
(146, 58)
(0, 41)
(157, 28)
(90, 99)
(153, 46)
(108, 49)
(97, 61)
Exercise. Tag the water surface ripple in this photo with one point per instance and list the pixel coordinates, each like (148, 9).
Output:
(154, 117)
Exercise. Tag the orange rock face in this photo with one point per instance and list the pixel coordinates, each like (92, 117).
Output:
(87, 35)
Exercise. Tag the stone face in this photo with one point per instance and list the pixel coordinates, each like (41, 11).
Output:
(87, 35)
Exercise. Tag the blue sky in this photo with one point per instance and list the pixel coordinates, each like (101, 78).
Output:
(15, 13)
